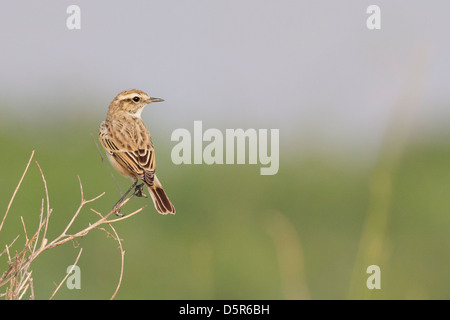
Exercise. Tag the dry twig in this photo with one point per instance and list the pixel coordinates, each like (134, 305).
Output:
(17, 278)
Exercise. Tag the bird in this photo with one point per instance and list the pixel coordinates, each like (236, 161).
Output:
(130, 149)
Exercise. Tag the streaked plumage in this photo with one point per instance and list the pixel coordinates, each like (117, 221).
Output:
(129, 146)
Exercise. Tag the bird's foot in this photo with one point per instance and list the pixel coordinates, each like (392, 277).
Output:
(138, 191)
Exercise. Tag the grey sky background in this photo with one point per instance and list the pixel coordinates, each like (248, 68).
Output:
(310, 68)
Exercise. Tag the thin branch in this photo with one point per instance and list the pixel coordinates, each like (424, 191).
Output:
(31, 289)
(47, 198)
(82, 203)
(24, 285)
(24, 230)
(98, 149)
(15, 191)
(122, 218)
(9, 246)
(67, 275)
(122, 252)
(122, 256)
(41, 215)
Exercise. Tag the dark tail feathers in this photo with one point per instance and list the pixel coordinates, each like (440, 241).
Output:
(160, 198)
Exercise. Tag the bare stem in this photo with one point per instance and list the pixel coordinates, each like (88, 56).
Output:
(15, 191)
(67, 275)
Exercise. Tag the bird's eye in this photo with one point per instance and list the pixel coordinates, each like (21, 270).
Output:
(136, 99)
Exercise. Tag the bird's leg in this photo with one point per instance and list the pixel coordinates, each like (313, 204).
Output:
(116, 206)
(138, 191)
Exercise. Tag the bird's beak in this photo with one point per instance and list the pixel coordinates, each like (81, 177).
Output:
(155, 100)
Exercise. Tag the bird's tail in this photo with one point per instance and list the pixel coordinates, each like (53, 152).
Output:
(160, 198)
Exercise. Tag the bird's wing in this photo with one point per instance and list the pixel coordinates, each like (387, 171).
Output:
(131, 146)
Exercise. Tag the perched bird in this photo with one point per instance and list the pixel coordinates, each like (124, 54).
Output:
(129, 146)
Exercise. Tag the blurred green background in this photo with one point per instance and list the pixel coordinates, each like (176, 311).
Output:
(364, 145)
(237, 235)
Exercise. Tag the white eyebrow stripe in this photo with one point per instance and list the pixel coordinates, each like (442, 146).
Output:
(130, 96)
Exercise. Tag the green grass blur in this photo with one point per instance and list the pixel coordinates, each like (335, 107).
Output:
(236, 234)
